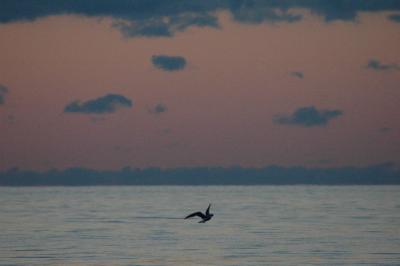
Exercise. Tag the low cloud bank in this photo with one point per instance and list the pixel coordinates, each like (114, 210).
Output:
(382, 174)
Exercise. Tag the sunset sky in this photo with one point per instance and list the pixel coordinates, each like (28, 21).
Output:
(108, 84)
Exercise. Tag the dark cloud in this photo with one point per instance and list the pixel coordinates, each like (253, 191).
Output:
(308, 117)
(161, 27)
(3, 92)
(134, 18)
(346, 10)
(133, 10)
(150, 18)
(395, 18)
(297, 74)
(158, 109)
(256, 12)
(105, 104)
(376, 65)
(168, 63)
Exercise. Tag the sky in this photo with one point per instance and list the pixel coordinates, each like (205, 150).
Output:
(109, 84)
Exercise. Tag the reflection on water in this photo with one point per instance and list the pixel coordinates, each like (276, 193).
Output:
(265, 225)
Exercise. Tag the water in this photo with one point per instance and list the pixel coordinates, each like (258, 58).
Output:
(264, 225)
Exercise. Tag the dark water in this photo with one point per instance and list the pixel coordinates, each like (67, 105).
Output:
(265, 225)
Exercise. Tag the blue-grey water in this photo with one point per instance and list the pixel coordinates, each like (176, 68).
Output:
(253, 225)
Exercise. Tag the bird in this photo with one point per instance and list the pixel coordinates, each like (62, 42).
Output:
(205, 217)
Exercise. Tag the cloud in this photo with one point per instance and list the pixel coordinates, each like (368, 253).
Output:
(252, 12)
(134, 18)
(164, 27)
(3, 92)
(158, 109)
(308, 116)
(105, 104)
(395, 18)
(168, 63)
(160, 18)
(297, 74)
(376, 65)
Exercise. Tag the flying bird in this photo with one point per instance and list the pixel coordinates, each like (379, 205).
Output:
(205, 217)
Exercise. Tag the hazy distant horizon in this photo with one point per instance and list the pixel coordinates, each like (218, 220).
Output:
(382, 174)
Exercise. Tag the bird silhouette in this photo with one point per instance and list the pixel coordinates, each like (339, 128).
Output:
(205, 217)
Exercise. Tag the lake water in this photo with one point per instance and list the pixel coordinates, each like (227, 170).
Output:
(253, 225)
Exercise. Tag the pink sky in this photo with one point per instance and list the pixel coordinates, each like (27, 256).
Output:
(220, 106)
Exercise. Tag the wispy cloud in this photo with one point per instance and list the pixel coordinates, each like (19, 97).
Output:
(377, 65)
(158, 109)
(162, 27)
(308, 116)
(168, 63)
(395, 18)
(246, 12)
(385, 129)
(105, 104)
(297, 74)
(3, 92)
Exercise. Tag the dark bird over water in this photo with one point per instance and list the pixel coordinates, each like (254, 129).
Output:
(205, 217)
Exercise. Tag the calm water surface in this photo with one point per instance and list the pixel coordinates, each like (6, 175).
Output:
(264, 225)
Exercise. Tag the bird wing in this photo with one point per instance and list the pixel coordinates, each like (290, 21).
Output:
(208, 209)
(201, 215)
